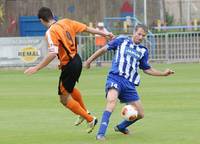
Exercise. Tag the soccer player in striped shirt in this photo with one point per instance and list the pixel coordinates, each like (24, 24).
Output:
(123, 76)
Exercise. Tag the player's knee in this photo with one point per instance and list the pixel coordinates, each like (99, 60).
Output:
(63, 102)
(140, 115)
(63, 99)
(111, 105)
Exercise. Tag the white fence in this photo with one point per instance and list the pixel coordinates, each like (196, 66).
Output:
(175, 47)
(165, 47)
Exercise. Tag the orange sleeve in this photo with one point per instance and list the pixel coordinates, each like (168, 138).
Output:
(78, 27)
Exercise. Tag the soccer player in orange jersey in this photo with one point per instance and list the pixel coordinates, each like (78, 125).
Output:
(61, 42)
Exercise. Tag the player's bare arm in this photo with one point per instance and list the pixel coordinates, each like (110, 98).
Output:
(154, 72)
(94, 31)
(44, 63)
(94, 56)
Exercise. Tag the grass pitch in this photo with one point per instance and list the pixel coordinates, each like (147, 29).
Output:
(30, 112)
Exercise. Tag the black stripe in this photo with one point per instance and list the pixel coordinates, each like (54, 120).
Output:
(66, 50)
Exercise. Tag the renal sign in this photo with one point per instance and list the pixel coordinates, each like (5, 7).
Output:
(22, 51)
(29, 54)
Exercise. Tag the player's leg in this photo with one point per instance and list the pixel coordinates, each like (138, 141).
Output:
(75, 107)
(69, 75)
(112, 96)
(122, 127)
(75, 68)
(129, 96)
(138, 105)
(76, 95)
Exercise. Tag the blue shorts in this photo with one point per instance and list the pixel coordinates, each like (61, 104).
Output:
(126, 89)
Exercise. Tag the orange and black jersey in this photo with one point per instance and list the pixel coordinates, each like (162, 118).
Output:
(61, 37)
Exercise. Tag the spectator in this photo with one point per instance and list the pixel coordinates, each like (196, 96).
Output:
(100, 41)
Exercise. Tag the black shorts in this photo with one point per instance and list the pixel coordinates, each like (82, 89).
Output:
(70, 74)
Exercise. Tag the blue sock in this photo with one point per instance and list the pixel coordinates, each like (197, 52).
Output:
(104, 123)
(124, 124)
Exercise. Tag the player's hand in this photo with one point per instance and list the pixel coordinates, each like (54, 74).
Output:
(31, 70)
(110, 36)
(168, 72)
(87, 65)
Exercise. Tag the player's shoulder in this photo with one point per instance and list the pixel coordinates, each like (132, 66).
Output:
(64, 21)
(143, 48)
(122, 37)
(51, 31)
(48, 31)
(61, 24)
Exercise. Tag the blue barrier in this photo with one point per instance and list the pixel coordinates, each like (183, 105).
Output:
(31, 26)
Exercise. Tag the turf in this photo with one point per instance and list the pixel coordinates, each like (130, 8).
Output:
(30, 112)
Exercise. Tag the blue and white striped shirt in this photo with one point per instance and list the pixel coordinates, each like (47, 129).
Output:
(128, 58)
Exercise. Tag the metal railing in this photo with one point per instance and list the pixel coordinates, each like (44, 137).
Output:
(164, 47)
(176, 47)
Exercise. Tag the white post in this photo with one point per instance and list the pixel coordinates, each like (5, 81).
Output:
(162, 11)
(188, 12)
(145, 12)
(134, 9)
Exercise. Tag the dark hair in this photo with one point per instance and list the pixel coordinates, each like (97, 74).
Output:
(144, 27)
(45, 14)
